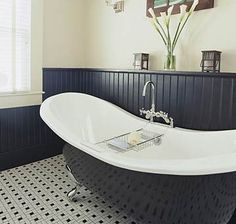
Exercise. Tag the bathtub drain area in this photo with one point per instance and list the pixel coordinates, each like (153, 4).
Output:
(36, 193)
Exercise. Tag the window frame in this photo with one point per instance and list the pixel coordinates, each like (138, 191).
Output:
(34, 96)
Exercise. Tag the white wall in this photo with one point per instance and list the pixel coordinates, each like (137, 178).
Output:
(64, 33)
(111, 39)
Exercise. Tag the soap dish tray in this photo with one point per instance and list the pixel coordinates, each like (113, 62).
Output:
(121, 143)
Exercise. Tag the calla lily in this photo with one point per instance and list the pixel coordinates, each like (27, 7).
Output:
(150, 10)
(169, 13)
(154, 19)
(169, 10)
(194, 5)
(164, 18)
(157, 25)
(183, 11)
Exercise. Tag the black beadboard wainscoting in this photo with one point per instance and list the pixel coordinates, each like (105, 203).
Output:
(201, 101)
(24, 137)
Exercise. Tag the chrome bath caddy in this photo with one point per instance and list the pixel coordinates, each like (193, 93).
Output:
(122, 142)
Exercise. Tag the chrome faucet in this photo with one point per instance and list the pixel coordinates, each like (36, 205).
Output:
(150, 114)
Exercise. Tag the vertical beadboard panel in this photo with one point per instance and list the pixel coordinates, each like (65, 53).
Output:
(24, 137)
(141, 84)
(233, 107)
(136, 93)
(206, 103)
(227, 94)
(124, 91)
(173, 95)
(159, 92)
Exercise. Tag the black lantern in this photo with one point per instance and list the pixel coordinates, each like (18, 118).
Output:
(141, 61)
(211, 61)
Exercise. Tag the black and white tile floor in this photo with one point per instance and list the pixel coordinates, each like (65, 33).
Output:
(36, 193)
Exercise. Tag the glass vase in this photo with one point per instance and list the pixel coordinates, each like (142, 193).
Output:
(170, 62)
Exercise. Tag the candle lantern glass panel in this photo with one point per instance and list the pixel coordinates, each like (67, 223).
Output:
(141, 61)
(211, 61)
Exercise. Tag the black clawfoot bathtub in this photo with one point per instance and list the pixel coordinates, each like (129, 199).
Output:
(187, 178)
(154, 198)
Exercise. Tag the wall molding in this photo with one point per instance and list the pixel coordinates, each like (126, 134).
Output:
(173, 73)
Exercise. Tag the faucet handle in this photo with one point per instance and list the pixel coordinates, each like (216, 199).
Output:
(164, 113)
(141, 111)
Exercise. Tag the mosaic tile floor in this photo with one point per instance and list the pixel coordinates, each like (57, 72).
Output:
(36, 193)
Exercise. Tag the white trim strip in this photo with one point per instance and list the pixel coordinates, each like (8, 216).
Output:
(21, 93)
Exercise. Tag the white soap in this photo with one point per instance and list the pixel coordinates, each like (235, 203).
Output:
(134, 138)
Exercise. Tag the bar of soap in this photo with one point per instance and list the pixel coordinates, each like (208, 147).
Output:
(134, 138)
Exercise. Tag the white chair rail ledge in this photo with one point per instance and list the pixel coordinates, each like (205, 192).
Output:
(20, 99)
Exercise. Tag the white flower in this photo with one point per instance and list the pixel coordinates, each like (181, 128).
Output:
(169, 12)
(164, 18)
(154, 18)
(183, 11)
(194, 5)
(150, 10)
